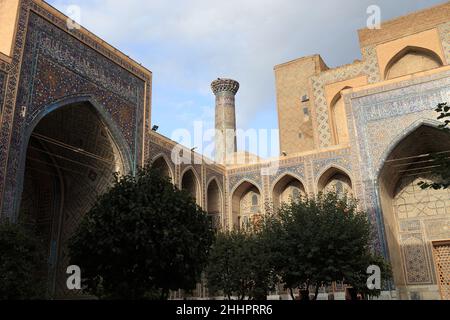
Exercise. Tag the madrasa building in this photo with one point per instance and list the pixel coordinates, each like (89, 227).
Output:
(74, 110)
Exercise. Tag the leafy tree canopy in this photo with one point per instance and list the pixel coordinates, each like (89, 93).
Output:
(143, 237)
(239, 265)
(316, 241)
(21, 259)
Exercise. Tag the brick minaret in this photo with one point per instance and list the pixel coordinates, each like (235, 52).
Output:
(225, 91)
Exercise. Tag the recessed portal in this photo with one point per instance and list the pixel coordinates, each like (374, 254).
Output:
(70, 161)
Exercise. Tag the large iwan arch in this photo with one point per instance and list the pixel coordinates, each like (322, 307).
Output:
(71, 154)
(415, 220)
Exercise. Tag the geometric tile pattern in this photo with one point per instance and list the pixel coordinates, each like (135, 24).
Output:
(412, 202)
(2, 89)
(412, 207)
(415, 260)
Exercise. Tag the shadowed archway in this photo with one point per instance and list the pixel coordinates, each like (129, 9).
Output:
(247, 205)
(191, 184)
(70, 160)
(161, 164)
(335, 180)
(286, 190)
(214, 203)
(415, 219)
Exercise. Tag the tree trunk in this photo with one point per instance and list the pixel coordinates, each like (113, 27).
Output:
(352, 294)
(304, 295)
(164, 294)
(316, 293)
(292, 293)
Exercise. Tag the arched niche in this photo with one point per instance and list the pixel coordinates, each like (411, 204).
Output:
(287, 189)
(247, 206)
(335, 180)
(339, 126)
(190, 183)
(161, 163)
(411, 60)
(214, 203)
(414, 218)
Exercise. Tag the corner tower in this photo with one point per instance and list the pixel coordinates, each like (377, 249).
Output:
(225, 91)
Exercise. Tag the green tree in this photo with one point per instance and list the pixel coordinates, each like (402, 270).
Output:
(316, 241)
(142, 238)
(441, 160)
(239, 265)
(21, 263)
(358, 279)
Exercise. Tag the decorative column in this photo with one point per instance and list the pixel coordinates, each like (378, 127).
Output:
(225, 91)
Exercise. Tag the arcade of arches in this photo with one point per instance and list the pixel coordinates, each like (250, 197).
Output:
(70, 160)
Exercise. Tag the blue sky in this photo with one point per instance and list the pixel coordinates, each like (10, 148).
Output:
(189, 43)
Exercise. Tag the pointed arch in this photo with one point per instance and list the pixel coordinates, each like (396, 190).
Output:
(335, 178)
(288, 187)
(244, 210)
(161, 162)
(190, 181)
(412, 59)
(214, 202)
(119, 142)
(338, 115)
(401, 136)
